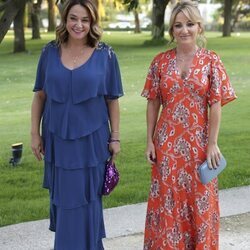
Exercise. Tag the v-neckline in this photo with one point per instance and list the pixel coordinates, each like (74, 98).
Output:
(80, 66)
(190, 69)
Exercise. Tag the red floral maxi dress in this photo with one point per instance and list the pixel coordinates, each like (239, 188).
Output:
(183, 213)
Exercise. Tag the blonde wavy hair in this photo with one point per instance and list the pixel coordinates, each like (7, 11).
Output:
(191, 11)
(95, 31)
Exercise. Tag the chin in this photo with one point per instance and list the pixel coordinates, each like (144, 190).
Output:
(78, 37)
(187, 42)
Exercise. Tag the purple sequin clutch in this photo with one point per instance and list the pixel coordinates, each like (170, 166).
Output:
(111, 178)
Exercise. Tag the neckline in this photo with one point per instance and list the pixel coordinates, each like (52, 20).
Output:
(80, 66)
(191, 68)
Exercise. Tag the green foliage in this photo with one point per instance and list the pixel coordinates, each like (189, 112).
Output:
(132, 4)
(21, 196)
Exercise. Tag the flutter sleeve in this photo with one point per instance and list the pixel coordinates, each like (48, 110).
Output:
(220, 86)
(113, 83)
(151, 87)
(41, 70)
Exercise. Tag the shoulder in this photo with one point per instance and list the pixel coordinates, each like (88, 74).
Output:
(105, 50)
(210, 54)
(163, 57)
(52, 45)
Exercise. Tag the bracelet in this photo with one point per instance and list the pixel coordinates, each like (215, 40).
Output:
(114, 140)
(114, 131)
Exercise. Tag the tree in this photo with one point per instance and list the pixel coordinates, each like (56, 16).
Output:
(51, 15)
(8, 10)
(233, 11)
(13, 10)
(133, 5)
(158, 15)
(241, 10)
(35, 19)
(19, 39)
(228, 4)
(137, 21)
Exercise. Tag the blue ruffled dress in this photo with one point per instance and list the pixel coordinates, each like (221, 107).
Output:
(75, 130)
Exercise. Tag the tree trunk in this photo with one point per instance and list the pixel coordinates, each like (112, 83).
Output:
(158, 14)
(137, 22)
(10, 10)
(35, 19)
(29, 11)
(236, 9)
(51, 16)
(227, 17)
(19, 40)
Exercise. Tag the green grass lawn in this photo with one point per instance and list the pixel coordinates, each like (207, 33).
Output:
(21, 195)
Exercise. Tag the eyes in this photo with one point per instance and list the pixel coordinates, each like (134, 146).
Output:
(75, 19)
(181, 25)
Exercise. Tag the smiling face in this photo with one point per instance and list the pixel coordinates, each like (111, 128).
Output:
(185, 31)
(78, 23)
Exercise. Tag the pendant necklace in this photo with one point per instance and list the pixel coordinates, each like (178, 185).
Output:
(183, 59)
(75, 59)
(185, 71)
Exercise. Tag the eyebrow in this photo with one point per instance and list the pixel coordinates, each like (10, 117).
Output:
(74, 15)
(188, 21)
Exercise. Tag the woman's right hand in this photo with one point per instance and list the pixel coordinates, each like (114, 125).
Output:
(37, 146)
(150, 153)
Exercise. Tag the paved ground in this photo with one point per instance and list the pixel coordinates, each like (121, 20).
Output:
(234, 235)
(124, 226)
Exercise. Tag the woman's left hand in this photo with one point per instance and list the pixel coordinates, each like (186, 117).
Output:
(213, 155)
(114, 148)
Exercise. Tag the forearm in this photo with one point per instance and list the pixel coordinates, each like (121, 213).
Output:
(114, 116)
(36, 112)
(153, 107)
(214, 123)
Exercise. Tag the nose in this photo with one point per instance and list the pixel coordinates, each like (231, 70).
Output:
(185, 28)
(79, 23)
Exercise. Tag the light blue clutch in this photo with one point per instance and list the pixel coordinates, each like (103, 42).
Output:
(207, 174)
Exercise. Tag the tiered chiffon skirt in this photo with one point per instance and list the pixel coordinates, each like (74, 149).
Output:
(74, 174)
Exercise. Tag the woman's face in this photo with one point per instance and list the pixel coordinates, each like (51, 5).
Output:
(185, 31)
(78, 23)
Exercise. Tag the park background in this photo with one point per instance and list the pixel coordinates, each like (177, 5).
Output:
(21, 196)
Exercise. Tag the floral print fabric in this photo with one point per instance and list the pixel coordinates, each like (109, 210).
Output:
(182, 212)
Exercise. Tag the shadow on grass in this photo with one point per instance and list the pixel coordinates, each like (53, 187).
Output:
(156, 42)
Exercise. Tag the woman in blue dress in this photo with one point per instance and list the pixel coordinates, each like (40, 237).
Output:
(75, 100)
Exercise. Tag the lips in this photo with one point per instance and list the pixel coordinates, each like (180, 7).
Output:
(77, 31)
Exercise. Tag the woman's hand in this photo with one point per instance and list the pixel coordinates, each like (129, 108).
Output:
(213, 151)
(150, 153)
(153, 107)
(37, 146)
(114, 148)
(213, 155)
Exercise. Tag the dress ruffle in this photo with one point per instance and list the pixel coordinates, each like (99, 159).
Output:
(75, 129)
(68, 171)
(71, 154)
(81, 228)
(73, 188)
(71, 122)
(76, 103)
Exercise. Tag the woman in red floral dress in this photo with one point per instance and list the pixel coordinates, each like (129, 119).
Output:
(183, 84)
